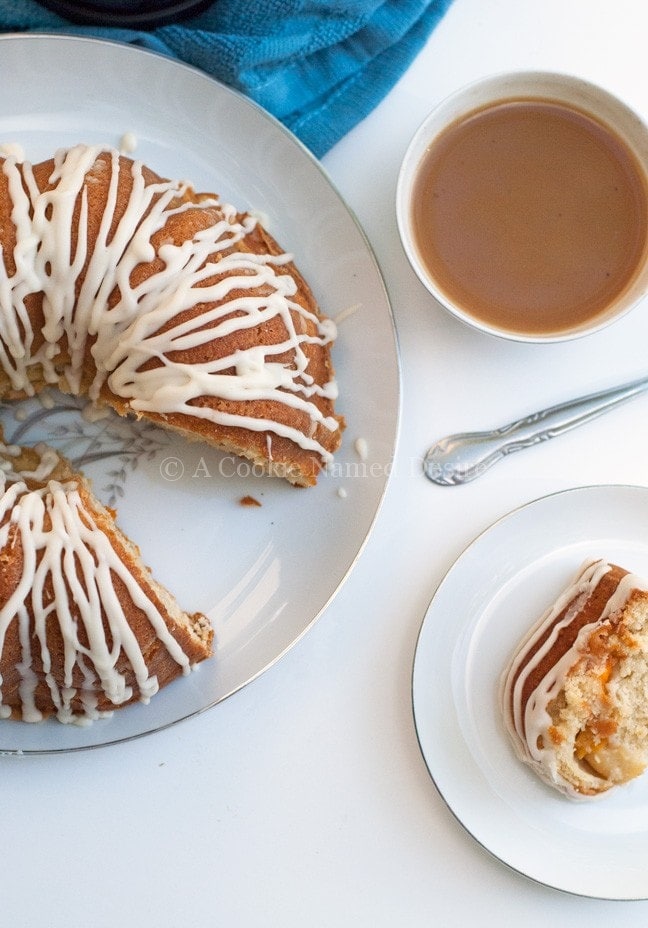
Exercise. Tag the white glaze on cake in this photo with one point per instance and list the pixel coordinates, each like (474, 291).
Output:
(528, 722)
(134, 333)
(144, 324)
(62, 548)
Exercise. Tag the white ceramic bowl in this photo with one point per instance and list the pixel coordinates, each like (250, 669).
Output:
(561, 88)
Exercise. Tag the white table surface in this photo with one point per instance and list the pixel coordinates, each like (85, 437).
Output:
(304, 799)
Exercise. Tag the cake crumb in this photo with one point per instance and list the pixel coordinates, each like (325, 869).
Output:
(93, 413)
(249, 501)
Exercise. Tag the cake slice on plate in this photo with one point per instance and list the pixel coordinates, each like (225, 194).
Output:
(575, 694)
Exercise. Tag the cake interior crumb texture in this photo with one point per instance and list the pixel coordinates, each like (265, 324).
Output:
(575, 693)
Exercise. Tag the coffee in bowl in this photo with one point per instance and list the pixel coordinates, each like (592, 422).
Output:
(523, 206)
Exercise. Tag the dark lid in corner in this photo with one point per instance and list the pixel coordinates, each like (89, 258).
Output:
(125, 13)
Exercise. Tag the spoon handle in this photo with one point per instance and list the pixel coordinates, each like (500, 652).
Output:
(459, 458)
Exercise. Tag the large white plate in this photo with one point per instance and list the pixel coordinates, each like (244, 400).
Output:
(264, 574)
(498, 587)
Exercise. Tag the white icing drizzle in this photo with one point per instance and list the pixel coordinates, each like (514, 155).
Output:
(144, 323)
(128, 143)
(344, 314)
(46, 399)
(63, 549)
(12, 150)
(529, 724)
(361, 448)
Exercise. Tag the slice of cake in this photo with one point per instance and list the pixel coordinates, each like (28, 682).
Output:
(575, 694)
(84, 628)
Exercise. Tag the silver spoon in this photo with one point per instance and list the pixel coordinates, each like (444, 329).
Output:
(460, 458)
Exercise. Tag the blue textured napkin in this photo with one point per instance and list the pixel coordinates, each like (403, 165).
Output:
(319, 66)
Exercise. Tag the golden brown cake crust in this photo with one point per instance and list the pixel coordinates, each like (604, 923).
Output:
(573, 694)
(49, 658)
(589, 610)
(300, 438)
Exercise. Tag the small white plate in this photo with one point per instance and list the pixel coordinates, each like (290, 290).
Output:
(262, 574)
(496, 589)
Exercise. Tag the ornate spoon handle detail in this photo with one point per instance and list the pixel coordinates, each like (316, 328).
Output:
(459, 458)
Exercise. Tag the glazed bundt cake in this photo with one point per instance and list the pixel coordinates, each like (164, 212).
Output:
(575, 694)
(84, 628)
(163, 303)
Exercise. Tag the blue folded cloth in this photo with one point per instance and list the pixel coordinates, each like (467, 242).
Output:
(320, 66)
